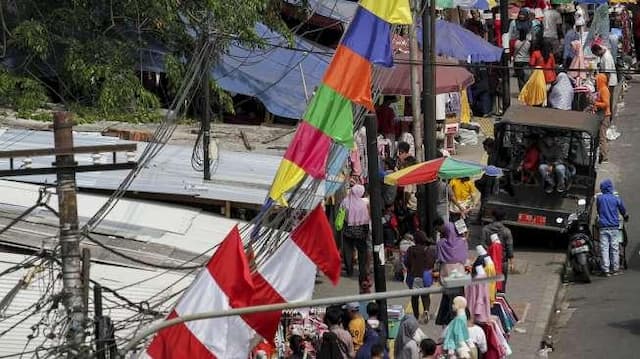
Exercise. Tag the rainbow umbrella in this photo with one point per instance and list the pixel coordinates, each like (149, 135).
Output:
(429, 171)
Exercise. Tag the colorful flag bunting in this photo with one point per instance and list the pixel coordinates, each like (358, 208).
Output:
(225, 283)
(391, 11)
(310, 246)
(370, 37)
(348, 80)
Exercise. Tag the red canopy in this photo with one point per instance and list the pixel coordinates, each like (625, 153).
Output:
(397, 80)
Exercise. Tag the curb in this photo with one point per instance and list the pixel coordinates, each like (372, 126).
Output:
(558, 298)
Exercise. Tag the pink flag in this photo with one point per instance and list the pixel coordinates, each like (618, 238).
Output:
(225, 283)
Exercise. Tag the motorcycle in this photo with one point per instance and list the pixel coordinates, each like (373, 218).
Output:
(581, 253)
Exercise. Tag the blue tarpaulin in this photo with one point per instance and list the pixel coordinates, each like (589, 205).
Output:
(341, 10)
(273, 74)
(453, 40)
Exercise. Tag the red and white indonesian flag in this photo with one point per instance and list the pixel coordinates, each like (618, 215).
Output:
(225, 283)
(288, 275)
(290, 272)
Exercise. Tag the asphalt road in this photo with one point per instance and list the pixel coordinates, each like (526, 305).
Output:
(602, 319)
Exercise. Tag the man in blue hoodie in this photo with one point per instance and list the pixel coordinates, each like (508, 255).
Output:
(610, 207)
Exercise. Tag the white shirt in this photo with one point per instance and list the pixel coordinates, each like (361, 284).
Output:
(441, 106)
(608, 66)
(551, 21)
(477, 337)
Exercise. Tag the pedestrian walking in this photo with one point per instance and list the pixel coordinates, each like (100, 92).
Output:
(610, 207)
(421, 259)
(337, 343)
(602, 107)
(409, 335)
(356, 232)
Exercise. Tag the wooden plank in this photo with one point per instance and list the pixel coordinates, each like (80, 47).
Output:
(54, 170)
(35, 152)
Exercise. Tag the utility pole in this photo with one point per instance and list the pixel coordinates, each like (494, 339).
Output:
(75, 273)
(506, 76)
(415, 81)
(72, 287)
(375, 204)
(429, 99)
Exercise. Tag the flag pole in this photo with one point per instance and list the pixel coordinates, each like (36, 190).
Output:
(430, 194)
(376, 210)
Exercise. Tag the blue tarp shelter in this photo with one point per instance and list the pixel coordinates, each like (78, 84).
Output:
(275, 74)
(453, 40)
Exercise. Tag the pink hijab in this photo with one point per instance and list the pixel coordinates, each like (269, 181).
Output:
(357, 210)
(578, 61)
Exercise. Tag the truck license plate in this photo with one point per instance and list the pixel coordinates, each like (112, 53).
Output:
(532, 219)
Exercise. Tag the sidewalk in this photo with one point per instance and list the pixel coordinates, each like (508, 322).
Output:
(531, 289)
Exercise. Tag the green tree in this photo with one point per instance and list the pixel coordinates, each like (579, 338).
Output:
(86, 51)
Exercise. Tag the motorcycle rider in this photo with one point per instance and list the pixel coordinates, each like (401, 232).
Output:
(609, 206)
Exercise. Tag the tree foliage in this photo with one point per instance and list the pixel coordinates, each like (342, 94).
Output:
(87, 51)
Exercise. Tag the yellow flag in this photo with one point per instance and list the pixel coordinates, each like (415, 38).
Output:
(391, 11)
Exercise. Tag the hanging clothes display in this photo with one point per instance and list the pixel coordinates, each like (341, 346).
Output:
(478, 298)
(361, 143)
(306, 323)
(495, 252)
(465, 108)
(490, 269)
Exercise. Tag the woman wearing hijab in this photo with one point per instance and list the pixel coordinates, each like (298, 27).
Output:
(356, 231)
(452, 250)
(408, 339)
(561, 94)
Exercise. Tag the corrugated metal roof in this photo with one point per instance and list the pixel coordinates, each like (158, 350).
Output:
(147, 285)
(239, 176)
(155, 231)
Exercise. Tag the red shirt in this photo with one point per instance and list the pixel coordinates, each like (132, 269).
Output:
(386, 120)
(531, 158)
(549, 66)
(533, 4)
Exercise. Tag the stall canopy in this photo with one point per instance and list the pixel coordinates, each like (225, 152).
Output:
(429, 171)
(282, 77)
(453, 40)
(397, 80)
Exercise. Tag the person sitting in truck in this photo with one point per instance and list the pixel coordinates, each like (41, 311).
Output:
(552, 167)
(530, 161)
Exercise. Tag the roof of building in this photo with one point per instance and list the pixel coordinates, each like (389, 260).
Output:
(240, 177)
(156, 288)
(552, 118)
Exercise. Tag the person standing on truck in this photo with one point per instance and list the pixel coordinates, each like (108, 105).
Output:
(610, 206)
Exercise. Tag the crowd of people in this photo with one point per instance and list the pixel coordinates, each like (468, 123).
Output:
(561, 60)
